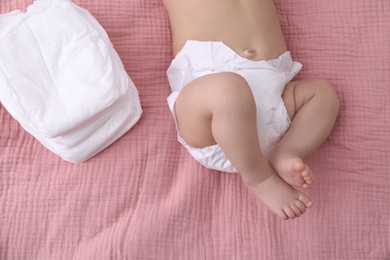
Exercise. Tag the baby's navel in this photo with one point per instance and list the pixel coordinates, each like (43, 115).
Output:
(249, 53)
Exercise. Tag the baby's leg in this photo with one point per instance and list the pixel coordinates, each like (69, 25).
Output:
(220, 108)
(313, 107)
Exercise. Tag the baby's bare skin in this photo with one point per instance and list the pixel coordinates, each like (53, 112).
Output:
(251, 28)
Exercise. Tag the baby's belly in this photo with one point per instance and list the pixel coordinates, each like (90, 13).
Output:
(249, 38)
(249, 27)
(252, 46)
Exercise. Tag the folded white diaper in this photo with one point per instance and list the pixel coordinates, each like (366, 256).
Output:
(61, 78)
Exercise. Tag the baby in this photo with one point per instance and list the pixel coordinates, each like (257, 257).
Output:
(234, 104)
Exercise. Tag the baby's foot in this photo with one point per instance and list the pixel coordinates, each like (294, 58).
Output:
(292, 169)
(281, 198)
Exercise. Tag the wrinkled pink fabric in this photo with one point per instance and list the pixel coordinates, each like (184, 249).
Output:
(144, 197)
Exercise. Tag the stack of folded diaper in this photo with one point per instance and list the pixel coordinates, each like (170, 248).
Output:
(62, 80)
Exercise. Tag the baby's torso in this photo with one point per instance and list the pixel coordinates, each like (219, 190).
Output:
(250, 27)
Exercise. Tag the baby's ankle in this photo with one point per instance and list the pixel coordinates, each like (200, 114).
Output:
(254, 183)
(284, 152)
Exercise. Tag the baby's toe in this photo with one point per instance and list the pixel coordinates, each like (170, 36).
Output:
(307, 176)
(301, 206)
(296, 210)
(289, 212)
(305, 200)
(306, 173)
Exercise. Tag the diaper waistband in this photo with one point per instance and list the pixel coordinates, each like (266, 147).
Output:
(201, 56)
(209, 54)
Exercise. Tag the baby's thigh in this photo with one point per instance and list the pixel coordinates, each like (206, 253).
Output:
(200, 99)
(289, 99)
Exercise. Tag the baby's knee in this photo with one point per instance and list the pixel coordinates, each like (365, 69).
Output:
(322, 85)
(328, 93)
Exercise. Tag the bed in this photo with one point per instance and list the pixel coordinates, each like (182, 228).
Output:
(144, 197)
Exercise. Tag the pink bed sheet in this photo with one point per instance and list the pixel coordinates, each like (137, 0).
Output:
(145, 198)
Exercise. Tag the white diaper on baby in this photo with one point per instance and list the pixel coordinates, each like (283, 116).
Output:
(266, 79)
(61, 78)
